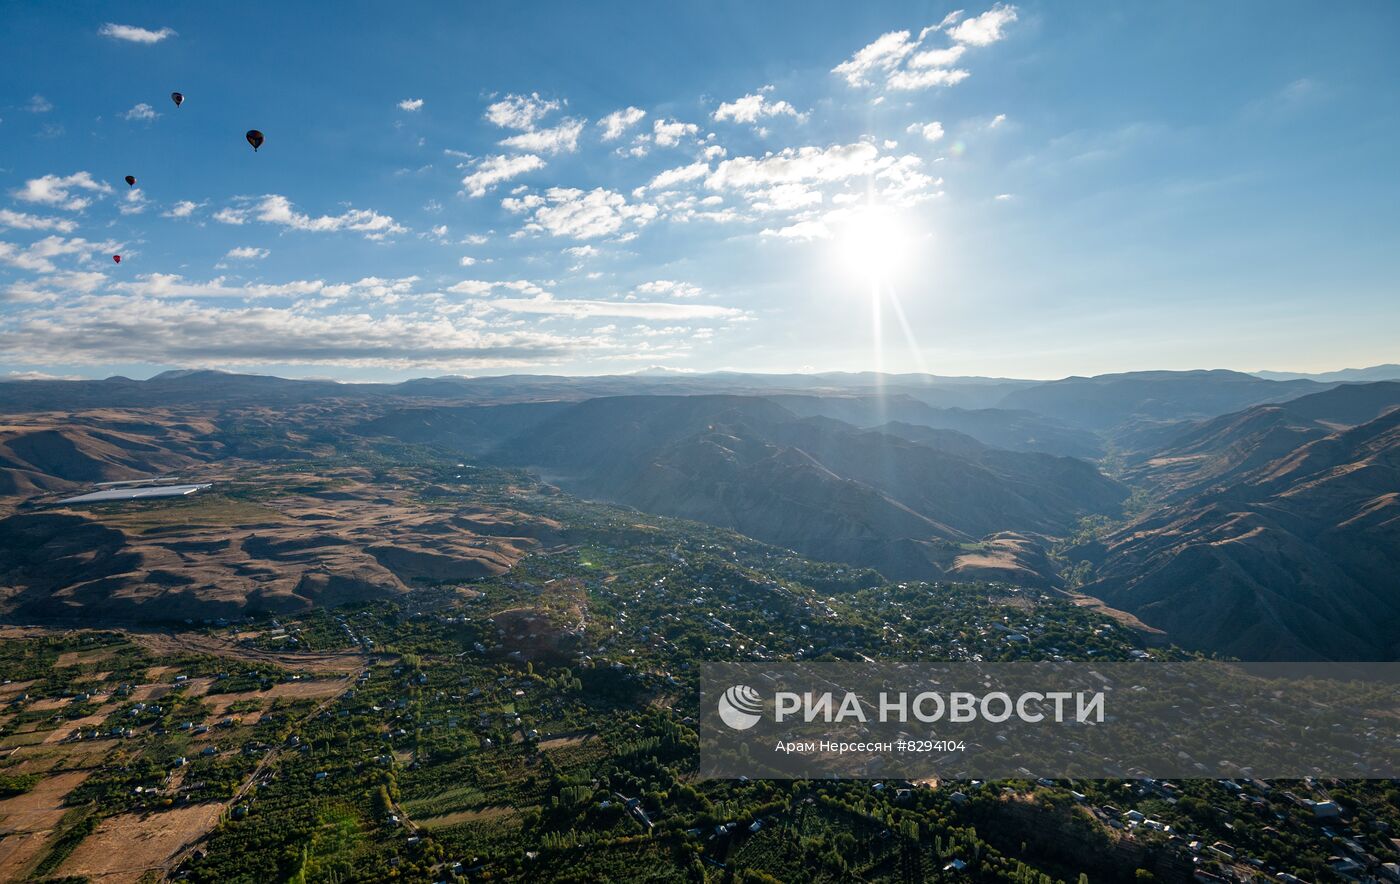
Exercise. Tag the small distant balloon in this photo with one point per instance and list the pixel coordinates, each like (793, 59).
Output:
(131, 181)
(178, 98)
(255, 138)
(117, 258)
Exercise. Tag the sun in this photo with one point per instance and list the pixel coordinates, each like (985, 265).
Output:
(873, 244)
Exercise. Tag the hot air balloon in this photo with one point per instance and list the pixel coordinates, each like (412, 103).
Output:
(178, 98)
(255, 138)
(131, 181)
(117, 258)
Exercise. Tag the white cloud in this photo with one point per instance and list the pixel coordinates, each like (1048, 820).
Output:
(679, 175)
(937, 58)
(905, 64)
(520, 111)
(38, 104)
(560, 139)
(948, 21)
(52, 190)
(567, 211)
(411, 104)
(133, 34)
(793, 165)
(802, 231)
(903, 182)
(247, 253)
(785, 198)
(619, 121)
(466, 261)
(472, 287)
(923, 79)
(133, 202)
(172, 285)
(582, 251)
(277, 209)
(142, 112)
(52, 286)
(670, 287)
(182, 209)
(1003, 196)
(931, 131)
(491, 171)
(997, 121)
(126, 329)
(668, 133)
(882, 55)
(24, 221)
(39, 256)
(752, 107)
(577, 308)
(984, 29)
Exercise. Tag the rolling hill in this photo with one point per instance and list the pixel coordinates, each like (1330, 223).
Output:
(816, 485)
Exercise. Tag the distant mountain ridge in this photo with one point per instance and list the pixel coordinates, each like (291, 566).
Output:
(1387, 372)
(1108, 401)
(816, 485)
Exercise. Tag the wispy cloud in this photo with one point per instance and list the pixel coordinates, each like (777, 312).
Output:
(490, 171)
(246, 253)
(619, 121)
(39, 256)
(411, 104)
(568, 211)
(277, 209)
(520, 111)
(753, 107)
(679, 175)
(182, 209)
(578, 308)
(134, 34)
(904, 63)
(38, 104)
(126, 329)
(560, 139)
(142, 111)
(171, 285)
(882, 55)
(984, 29)
(24, 221)
(668, 133)
(62, 192)
(930, 131)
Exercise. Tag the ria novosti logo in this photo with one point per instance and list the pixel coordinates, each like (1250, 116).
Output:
(740, 707)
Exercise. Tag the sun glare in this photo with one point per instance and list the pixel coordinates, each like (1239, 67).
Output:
(874, 244)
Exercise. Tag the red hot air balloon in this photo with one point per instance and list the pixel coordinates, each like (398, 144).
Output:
(178, 98)
(255, 138)
(117, 258)
(131, 181)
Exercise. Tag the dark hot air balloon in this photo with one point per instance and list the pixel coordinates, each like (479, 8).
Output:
(131, 181)
(255, 138)
(178, 98)
(117, 258)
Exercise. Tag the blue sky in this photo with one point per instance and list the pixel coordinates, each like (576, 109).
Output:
(1028, 190)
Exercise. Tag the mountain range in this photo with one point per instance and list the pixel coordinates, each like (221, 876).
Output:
(1244, 515)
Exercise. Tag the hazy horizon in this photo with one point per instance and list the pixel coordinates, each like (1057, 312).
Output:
(655, 370)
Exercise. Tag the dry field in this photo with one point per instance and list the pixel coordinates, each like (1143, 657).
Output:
(27, 820)
(126, 846)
